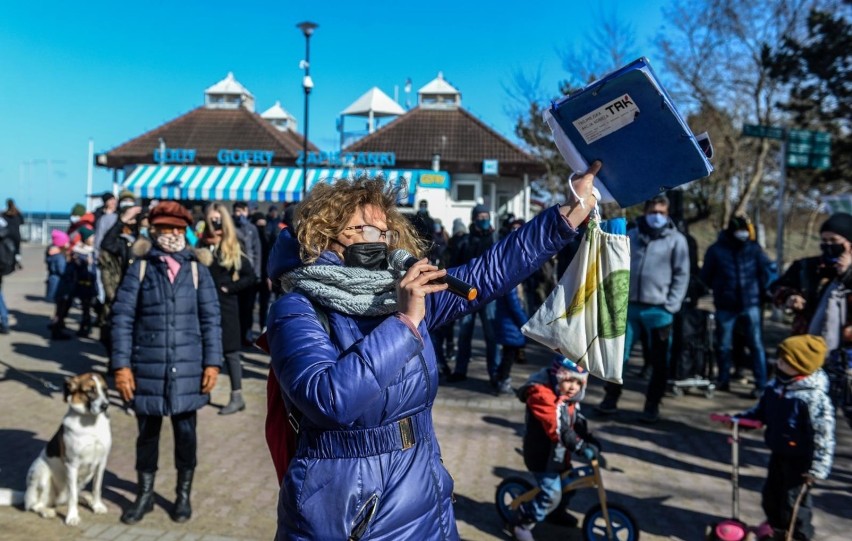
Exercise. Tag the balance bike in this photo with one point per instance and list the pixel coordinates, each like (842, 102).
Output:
(603, 521)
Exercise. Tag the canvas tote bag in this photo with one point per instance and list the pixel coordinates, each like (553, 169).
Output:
(585, 317)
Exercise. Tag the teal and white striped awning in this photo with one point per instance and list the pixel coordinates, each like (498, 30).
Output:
(219, 183)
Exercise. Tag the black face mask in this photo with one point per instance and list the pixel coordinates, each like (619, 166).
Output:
(831, 252)
(366, 255)
(216, 225)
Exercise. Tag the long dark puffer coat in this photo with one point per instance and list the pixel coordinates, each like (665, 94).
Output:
(167, 333)
(228, 306)
(353, 385)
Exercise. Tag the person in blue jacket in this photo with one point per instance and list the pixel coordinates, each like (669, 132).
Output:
(739, 273)
(350, 346)
(167, 351)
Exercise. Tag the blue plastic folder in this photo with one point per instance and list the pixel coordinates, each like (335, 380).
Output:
(628, 121)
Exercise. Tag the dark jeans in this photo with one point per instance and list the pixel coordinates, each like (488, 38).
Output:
(725, 322)
(442, 341)
(782, 487)
(148, 441)
(509, 357)
(492, 354)
(653, 324)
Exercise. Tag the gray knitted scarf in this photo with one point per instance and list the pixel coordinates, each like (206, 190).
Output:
(351, 290)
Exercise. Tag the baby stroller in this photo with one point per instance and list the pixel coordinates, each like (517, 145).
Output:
(692, 352)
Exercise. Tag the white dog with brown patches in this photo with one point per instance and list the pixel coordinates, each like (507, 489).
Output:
(76, 455)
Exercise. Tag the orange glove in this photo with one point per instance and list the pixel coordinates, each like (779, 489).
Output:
(124, 383)
(208, 380)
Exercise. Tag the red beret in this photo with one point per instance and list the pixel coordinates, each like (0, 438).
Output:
(170, 213)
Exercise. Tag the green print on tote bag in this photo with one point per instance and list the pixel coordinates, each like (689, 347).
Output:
(585, 317)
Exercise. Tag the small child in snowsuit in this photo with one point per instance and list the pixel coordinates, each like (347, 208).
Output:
(55, 259)
(78, 281)
(799, 420)
(554, 429)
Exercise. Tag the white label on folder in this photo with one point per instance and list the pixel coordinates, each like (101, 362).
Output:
(607, 119)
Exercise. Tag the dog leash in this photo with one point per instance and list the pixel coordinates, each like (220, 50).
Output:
(46, 384)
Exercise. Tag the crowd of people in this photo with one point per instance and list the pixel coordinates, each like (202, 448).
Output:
(359, 346)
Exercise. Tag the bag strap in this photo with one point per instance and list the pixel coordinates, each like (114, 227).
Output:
(143, 268)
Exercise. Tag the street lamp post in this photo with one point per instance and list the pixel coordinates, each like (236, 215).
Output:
(307, 29)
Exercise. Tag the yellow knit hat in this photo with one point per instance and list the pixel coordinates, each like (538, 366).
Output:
(804, 352)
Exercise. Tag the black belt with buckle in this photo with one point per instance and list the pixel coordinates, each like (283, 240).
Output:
(396, 436)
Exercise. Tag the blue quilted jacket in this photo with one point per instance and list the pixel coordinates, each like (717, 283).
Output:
(367, 463)
(738, 273)
(166, 333)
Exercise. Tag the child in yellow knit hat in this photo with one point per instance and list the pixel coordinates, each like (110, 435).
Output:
(799, 420)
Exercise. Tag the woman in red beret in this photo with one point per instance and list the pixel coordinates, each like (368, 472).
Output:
(167, 351)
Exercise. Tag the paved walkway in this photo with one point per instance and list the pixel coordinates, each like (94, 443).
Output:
(673, 476)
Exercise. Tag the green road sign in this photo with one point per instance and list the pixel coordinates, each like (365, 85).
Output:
(808, 148)
(767, 132)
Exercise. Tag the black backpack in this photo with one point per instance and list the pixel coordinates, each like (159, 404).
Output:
(7, 249)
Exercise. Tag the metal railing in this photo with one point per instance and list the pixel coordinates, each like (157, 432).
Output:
(39, 231)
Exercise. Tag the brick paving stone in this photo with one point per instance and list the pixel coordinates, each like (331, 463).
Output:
(673, 476)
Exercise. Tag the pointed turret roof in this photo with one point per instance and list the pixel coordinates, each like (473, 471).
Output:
(228, 85)
(439, 94)
(439, 86)
(276, 112)
(376, 101)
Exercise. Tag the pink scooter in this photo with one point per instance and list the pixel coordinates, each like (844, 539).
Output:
(733, 529)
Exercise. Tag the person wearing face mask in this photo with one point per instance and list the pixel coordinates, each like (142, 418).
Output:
(423, 223)
(481, 236)
(115, 257)
(739, 273)
(232, 273)
(832, 317)
(353, 361)
(167, 351)
(659, 277)
(799, 289)
(250, 241)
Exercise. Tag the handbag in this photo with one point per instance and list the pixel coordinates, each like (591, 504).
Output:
(585, 317)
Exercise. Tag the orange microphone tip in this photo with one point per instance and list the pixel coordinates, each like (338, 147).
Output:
(471, 295)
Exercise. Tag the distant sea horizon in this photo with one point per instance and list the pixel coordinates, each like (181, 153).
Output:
(38, 216)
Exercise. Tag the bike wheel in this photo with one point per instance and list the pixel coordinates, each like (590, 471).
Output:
(624, 526)
(507, 491)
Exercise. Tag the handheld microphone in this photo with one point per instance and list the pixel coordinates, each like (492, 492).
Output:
(401, 260)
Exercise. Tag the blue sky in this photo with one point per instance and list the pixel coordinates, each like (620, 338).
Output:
(110, 71)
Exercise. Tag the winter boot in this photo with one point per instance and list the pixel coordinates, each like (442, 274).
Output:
(235, 404)
(183, 510)
(144, 499)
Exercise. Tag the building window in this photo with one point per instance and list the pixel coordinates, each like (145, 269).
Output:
(466, 190)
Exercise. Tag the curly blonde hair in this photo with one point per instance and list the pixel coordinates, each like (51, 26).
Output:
(321, 217)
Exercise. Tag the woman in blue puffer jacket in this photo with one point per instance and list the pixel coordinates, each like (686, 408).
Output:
(167, 351)
(350, 347)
